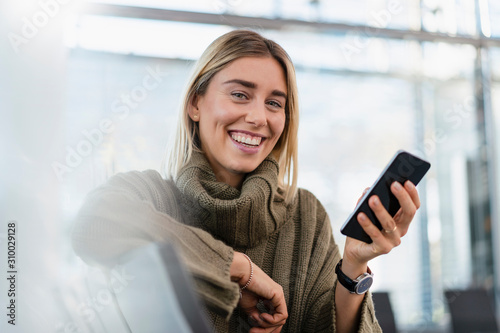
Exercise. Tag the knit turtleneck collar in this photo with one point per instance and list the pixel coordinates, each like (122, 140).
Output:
(240, 218)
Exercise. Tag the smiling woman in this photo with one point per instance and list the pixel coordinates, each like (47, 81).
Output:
(254, 74)
(261, 251)
(241, 116)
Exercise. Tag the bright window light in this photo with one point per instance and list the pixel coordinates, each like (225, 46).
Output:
(143, 37)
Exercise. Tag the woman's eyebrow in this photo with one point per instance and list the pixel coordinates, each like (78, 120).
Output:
(252, 85)
(279, 93)
(244, 83)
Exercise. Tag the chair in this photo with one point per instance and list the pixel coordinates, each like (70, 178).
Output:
(471, 311)
(150, 291)
(383, 312)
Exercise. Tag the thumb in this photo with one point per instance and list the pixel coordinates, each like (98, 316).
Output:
(364, 192)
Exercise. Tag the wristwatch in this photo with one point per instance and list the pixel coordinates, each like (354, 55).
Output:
(358, 286)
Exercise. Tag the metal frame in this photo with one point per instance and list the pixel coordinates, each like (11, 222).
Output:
(278, 24)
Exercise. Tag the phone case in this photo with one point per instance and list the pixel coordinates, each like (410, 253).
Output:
(402, 167)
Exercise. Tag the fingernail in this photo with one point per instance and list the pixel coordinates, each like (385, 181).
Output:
(397, 186)
(252, 321)
(362, 217)
(410, 185)
(375, 201)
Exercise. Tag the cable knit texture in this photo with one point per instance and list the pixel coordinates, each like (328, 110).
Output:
(207, 221)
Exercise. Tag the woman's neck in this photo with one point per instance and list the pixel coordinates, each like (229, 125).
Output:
(234, 180)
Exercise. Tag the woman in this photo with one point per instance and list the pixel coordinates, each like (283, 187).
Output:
(244, 233)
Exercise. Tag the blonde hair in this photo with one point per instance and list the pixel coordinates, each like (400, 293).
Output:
(219, 54)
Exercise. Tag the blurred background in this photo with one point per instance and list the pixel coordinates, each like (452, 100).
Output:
(90, 89)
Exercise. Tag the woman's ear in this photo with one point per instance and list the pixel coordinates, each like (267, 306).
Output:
(193, 111)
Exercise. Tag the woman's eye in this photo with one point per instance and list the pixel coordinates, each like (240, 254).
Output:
(275, 104)
(239, 95)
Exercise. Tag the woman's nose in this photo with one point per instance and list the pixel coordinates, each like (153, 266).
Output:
(257, 116)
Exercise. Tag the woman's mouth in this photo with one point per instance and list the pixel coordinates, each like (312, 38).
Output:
(246, 140)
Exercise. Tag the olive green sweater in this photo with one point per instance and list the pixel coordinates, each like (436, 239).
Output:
(207, 221)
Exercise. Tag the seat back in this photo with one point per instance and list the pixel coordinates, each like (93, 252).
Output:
(471, 311)
(150, 291)
(383, 312)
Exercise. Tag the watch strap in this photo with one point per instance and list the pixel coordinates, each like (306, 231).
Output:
(346, 281)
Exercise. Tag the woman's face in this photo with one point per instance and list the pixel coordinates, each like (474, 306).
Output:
(241, 116)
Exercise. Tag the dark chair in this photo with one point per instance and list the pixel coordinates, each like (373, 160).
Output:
(471, 311)
(383, 311)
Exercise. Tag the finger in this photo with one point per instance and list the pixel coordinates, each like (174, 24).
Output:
(408, 208)
(272, 321)
(254, 317)
(412, 191)
(381, 244)
(266, 330)
(385, 219)
(265, 288)
(264, 322)
(278, 304)
(362, 195)
(378, 236)
(273, 328)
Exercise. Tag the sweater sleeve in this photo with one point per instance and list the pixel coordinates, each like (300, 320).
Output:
(137, 208)
(322, 316)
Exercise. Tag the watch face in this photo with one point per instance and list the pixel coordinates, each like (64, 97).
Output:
(364, 284)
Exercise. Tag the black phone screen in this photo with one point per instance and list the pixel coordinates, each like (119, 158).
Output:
(402, 167)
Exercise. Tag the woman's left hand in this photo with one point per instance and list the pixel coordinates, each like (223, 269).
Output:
(359, 253)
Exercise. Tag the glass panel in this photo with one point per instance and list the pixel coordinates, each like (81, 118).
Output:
(495, 64)
(127, 36)
(121, 108)
(345, 141)
(444, 61)
(328, 11)
(374, 126)
(494, 11)
(451, 17)
(451, 143)
(351, 50)
(465, 16)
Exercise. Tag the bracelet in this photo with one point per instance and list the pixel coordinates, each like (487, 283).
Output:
(251, 275)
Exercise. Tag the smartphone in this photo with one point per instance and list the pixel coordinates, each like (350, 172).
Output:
(402, 167)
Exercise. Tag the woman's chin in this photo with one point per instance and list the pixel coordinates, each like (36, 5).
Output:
(245, 169)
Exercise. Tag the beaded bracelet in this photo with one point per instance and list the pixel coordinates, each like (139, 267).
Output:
(251, 275)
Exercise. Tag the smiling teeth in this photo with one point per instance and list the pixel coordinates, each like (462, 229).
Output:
(255, 141)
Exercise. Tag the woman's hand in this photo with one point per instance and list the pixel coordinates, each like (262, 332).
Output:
(358, 253)
(261, 287)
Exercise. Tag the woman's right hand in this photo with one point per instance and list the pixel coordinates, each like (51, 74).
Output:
(261, 287)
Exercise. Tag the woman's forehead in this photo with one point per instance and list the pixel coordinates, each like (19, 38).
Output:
(259, 71)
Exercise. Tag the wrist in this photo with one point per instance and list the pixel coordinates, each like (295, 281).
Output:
(239, 271)
(358, 285)
(353, 268)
